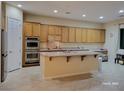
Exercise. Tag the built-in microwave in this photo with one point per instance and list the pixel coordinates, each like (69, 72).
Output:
(32, 43)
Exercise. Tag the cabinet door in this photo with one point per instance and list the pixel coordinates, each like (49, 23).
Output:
(91, 35)
(102, 36)
(71, 34)
(51, 37)
(97, 36)
(44, 33)
(78, 35)
(28, 29)
(51, 30)
(57, 30)
(36, 29)
(57, 38)
(65, 34)
(84, 35)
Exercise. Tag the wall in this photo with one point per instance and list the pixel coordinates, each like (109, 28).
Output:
(65, 22)
(112, 38)
(15, 13)
(60, 21)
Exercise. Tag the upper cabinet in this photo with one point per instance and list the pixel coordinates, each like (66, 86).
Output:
(43, 33)
(78, 35)
(36, 29)
(31, 29)
(65, 34)
(58, 30)
(51, 30)
(102, 36)
(84, 35)
(28, 29)
(71, 34)
(95, 36)
(54, 32)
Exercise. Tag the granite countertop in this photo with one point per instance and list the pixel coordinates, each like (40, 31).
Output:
(69, 53)
(59, 50)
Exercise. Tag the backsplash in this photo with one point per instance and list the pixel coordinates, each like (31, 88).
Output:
(84, 45)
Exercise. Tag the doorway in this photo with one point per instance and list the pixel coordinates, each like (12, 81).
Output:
(14, 44)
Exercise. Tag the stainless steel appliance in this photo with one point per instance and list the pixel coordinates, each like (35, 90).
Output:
(3, 55)
(32, 43)
(32, 57)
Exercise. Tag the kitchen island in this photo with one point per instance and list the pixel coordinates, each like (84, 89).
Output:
(68, 63)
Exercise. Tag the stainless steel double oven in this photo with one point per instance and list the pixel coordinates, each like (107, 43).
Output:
(32, 50)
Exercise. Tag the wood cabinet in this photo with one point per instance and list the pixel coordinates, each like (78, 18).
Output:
(57, 30)
(31, 29)
(71, 34)
(43, 33)
(91, 35)
(78, 35)
(51, 30)
(95, 35)
(65, 34)
(84, 35)
(57, 38)
(27, 29)
(36, 29)
(102, 36)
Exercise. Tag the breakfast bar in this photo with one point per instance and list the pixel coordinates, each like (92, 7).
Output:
(67, 63)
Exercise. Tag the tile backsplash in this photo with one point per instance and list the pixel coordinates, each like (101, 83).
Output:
(71, 45)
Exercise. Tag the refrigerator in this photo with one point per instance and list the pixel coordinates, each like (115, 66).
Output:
(3, 55)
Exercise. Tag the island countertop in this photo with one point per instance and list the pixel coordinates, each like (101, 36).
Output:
(68, 53)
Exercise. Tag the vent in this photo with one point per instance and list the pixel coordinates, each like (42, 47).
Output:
(121, 15)
(67, 12)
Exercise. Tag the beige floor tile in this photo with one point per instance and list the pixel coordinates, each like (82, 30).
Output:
(29, 79)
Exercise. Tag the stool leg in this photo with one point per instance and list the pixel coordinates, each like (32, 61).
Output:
(115, 60)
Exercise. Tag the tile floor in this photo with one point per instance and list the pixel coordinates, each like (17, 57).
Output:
(29, 79)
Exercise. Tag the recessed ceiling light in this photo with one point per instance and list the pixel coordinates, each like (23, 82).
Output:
(121, 11)
(55, 11)
(83, 15)
(19, 5)
(101, 17)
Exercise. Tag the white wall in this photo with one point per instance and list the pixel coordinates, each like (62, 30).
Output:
(60, 21)
(65, 22)
(15, 13)
(112, 38)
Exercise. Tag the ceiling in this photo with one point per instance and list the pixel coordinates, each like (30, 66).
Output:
(92, 9)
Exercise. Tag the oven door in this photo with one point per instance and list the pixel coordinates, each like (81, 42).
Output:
(32, 44)
(32, 57)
